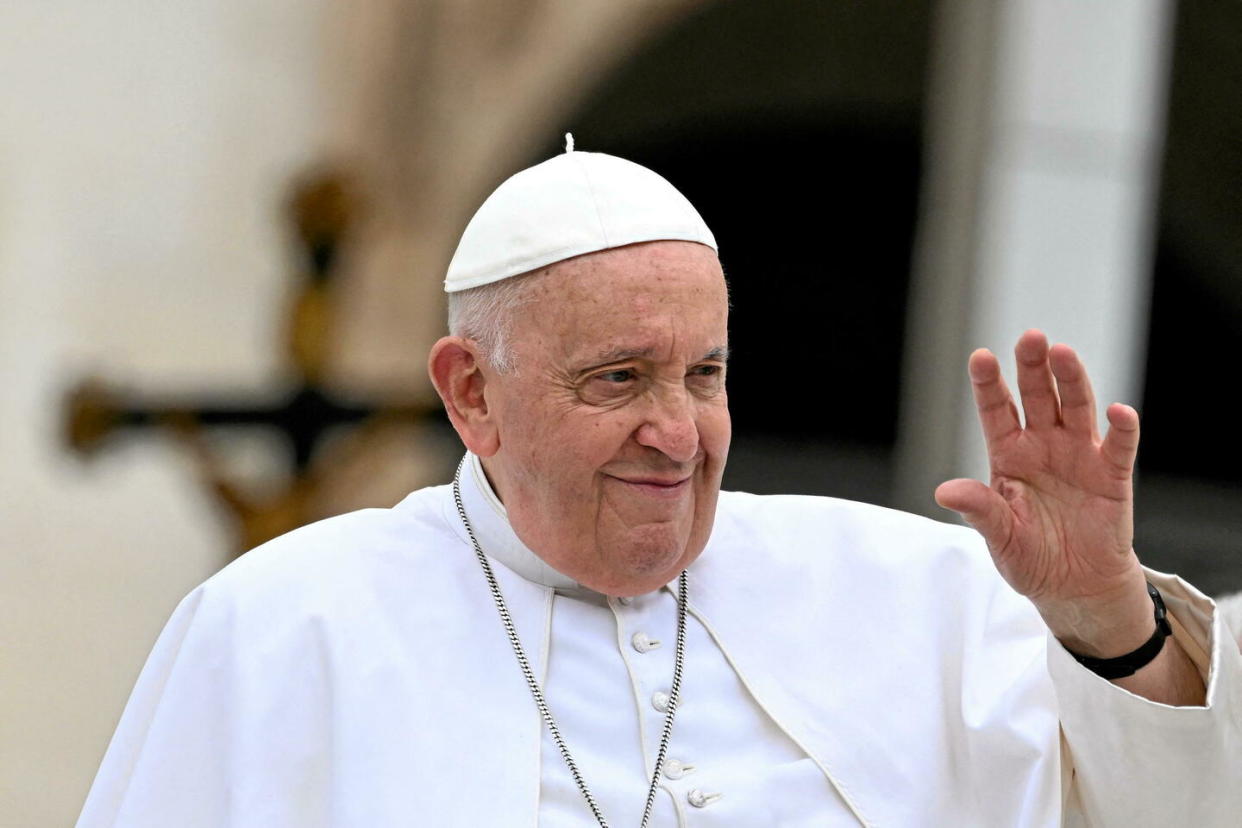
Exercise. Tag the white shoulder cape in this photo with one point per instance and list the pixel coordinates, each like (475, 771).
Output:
(354, 673)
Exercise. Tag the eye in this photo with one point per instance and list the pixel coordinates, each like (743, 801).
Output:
(706, 379)
(616, 377)
(707, 374)
(610, 387)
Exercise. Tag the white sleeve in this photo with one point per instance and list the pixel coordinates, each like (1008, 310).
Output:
(1135, 762)
(201, 746)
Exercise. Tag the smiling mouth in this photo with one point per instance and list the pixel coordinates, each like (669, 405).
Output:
(655, 486)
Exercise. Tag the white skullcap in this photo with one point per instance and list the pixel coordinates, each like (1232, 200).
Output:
(575, 203)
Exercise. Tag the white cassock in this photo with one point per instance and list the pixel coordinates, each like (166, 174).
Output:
(845, 665)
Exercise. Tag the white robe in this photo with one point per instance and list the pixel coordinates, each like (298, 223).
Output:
(609, 667)
(354, 673)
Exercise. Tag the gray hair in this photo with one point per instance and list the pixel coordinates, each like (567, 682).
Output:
(485, 314)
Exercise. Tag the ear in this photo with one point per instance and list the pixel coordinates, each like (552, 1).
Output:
(457, 372)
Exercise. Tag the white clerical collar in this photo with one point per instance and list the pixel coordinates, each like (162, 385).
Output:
(491, 527)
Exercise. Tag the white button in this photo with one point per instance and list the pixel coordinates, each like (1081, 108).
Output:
(701, 800)
(660, 700)
(643, 643)
(625, 600)
(673, 769)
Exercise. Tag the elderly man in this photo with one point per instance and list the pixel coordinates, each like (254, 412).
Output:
(582, 629)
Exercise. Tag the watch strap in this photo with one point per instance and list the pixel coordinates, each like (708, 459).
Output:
(1132, 662)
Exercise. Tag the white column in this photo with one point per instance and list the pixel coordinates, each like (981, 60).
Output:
(1044, 136)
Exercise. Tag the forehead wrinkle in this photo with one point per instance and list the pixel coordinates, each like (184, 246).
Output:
(571, 298)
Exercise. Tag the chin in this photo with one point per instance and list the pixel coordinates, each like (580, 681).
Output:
(653, 557)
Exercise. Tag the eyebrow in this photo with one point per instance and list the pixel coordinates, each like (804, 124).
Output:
(718, 354)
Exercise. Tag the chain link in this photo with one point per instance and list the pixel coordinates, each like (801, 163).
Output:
(537, 693)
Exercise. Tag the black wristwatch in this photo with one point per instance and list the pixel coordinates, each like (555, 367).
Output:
(1130, 663)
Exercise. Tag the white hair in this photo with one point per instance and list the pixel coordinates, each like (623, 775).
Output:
(485, 314)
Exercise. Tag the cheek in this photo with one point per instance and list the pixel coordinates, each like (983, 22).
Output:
(534, 428)
(566, 456)
(716, 430)
(599, 439)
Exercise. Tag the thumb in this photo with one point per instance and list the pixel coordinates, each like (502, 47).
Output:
(980, 506)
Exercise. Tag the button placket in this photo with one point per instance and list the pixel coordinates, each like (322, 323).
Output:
(650, 665)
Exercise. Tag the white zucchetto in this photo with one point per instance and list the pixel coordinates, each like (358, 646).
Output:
(574, 203)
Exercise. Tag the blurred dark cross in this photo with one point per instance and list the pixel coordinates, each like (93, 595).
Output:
(323, 208)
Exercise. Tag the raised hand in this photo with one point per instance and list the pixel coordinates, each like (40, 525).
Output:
(1058, 515)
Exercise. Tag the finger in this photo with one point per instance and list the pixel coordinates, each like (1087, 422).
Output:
(1036, 385)
(1074, 388)
(1120, 446)
(981, 507)
(998, 415)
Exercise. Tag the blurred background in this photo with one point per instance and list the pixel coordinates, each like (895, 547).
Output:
(223, 227)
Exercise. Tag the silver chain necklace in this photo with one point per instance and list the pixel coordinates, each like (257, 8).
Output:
(537, 693)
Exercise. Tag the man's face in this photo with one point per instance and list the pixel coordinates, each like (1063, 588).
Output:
(614, 427)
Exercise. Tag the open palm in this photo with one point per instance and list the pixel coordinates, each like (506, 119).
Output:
(1058, 515)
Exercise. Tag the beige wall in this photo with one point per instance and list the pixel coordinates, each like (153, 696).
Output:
(144, 151)
(144, 158)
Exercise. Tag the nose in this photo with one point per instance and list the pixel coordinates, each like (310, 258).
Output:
(669, 426)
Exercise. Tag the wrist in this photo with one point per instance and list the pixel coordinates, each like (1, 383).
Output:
(1135, 660)
(1107, 624)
